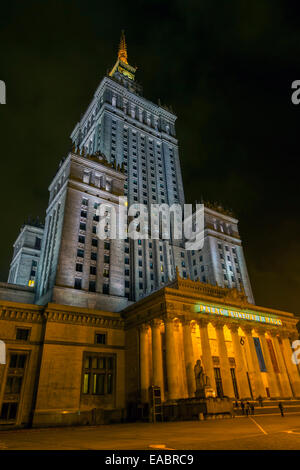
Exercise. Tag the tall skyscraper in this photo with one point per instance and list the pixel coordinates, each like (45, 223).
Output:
(123, 130)
(132, 131)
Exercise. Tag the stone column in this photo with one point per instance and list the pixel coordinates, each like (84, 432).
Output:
(189, 357)
(283, 377)
(144, 364)
(206, 352)
(171, 359)
(258, 388)
(157, 364)
(273, 385)
(292, 368)
(240, 367)
(224, 362)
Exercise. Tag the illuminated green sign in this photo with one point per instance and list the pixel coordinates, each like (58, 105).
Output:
(236, 314)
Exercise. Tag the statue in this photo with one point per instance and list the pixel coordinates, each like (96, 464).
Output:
(203, 386)
(199, 375)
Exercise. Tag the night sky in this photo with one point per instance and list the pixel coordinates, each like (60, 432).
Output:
(226, 67)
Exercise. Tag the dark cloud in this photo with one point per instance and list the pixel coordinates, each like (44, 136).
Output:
(226, 68)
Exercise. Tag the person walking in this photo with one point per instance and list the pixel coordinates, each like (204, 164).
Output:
(260, 401)
(247, 408)
(252, 408)
(243, 407)
(280, 406)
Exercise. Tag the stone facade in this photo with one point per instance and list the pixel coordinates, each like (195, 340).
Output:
(245, 350)
(78, 349)
(70, 365)
(77, 268)
(26, 255)
(41, 382)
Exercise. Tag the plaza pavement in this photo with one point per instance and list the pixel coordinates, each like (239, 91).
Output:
(261, 432)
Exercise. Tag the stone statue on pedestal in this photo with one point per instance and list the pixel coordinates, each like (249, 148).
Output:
(203, 386)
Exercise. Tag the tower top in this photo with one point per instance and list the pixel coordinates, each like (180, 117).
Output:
(121, 66)
(122, 55)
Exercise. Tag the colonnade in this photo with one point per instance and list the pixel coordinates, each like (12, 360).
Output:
(281, 376)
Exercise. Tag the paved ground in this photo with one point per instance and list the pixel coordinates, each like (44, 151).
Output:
(241, 433)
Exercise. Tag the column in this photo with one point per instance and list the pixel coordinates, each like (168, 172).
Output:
(240, 366)
(291, 367)
(171, 359)
(273, 385)
(144, 364)
(254, 369)
(283, 377)
(224, 361)
(206, 352)
(189, 357)
(157, 364)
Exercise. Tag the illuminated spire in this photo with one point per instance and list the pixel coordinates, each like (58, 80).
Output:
(122, 54)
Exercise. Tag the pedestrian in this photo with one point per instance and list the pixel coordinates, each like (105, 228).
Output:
(243, 407)
(260, 401)
(247, 408)
(236, 404)
(280, 406)
(252, 408)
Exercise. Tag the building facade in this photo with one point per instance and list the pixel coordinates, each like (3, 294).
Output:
(72, 365)
(103, 320)
(76, 267)
(140, 135)
(26, 255)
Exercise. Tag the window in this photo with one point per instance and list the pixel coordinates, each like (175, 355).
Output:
(77, 283)
(106, 246)
(85, 202)
(94, 256)
(79, 267)
(98, 375)
(100, 338)
(105, 288)
(83, 214)
(81, 239)
(82, 226)
(22, 334)
(93, 270)
(80, 253)
(9, 410)
(92, 286)
(106, 259)
(37, 245)
(94, 242)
